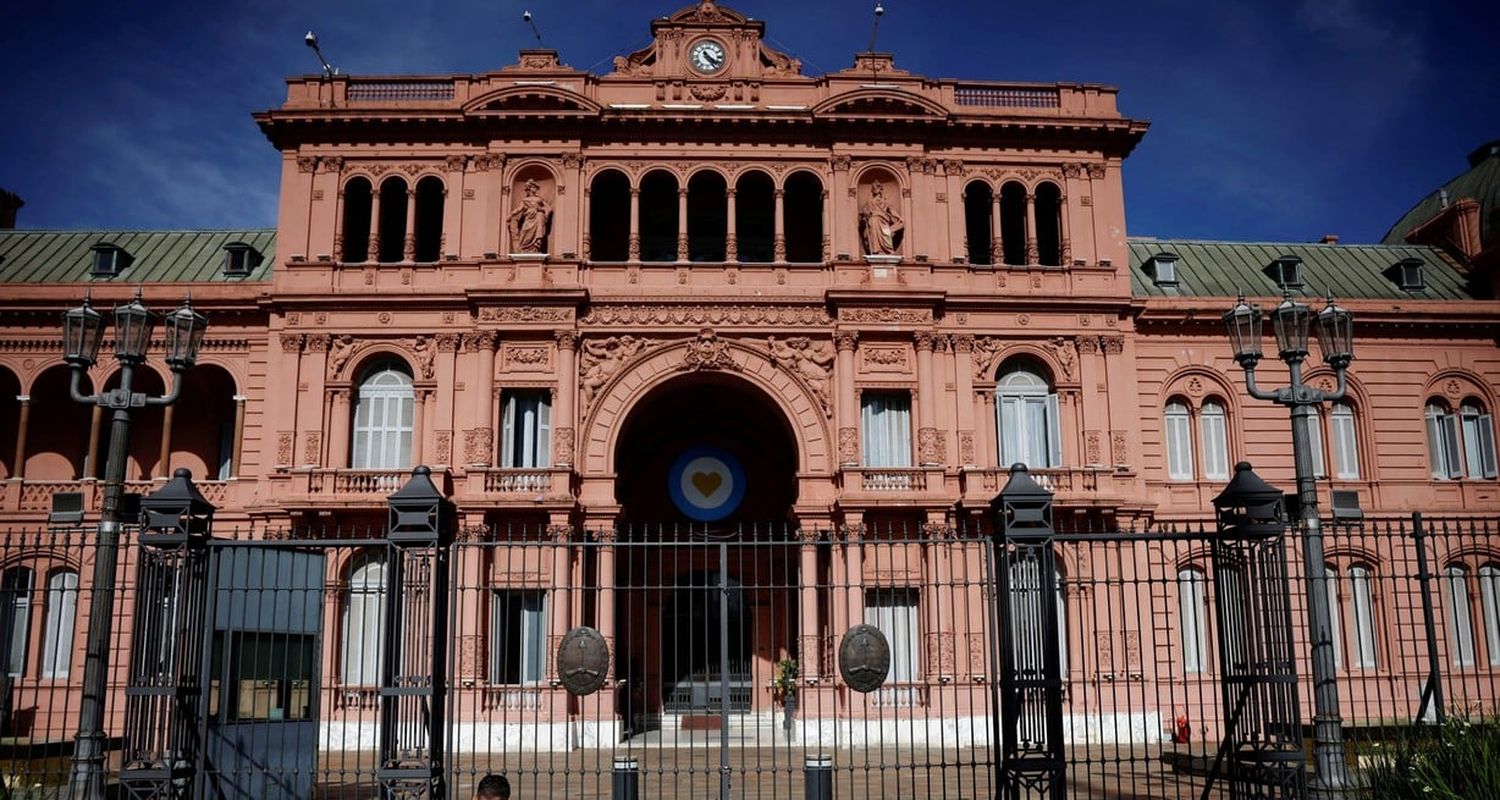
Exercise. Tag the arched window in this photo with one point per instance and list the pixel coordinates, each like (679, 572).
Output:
(1028, 424)
(1335, 615)
(979, 212)
(383, 418)
(1361, 600)
(392, 220)
(1215, 437)
(364, 614)
(1013, 222)
(1343, 437)
(1179, 435)
(1479, 438)
(802, 209)
(16, 584)
(1048, 225)
(755, 217)
(1442, 441)
(1460, 626)
(355, 234)
(57, 630)
(708, 217)
(609, 217)
(658, 216)
(1489, 594)
(1192, 605)
(429, 221)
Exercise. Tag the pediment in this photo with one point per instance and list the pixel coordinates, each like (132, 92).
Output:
(532, 99)
(709, 12)
(885, 103)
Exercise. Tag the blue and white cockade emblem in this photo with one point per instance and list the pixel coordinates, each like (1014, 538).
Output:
(706, 483)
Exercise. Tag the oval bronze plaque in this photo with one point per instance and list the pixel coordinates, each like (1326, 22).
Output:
(865, 658)
(583, 660)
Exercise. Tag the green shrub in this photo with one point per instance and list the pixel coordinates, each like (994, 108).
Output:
(1458, 760)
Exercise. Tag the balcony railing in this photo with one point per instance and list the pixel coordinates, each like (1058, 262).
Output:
(381, 91)
(344, 485)
(1058, 480)
(506, 485)
(1006, 97)
(517, 480)
(910, 479)
(36, 495)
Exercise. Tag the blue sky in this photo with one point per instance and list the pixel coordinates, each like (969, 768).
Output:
(1271, 120)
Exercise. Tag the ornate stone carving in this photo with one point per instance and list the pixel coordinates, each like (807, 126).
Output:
(1093, 448)
(880, 226)
(987, 354)
(566, 340)
(710, 92)
(317, 343)
(962, 342)
(1095, 171)
(924, 340)
(600, 359)
(530, 220)
(478, 444)
(486, 162)
(312, 447)
(966, 447)
(848, 446)
(931, 446)
(811, 362)
(1087, 345)
(635, 247)
(1195, 386)
(525, 314)
(340, 348)
(291, 342)
(284, 442)
(1118, 450)
(455, 163)
(634, 314)
(306, 164)
(443, 451)
(838, 163)
(446, 342)
(562, 446)
(1072, 169)
(846, 340)
(480, 341)
(913, 316)
(707, 351)
(530, 357)
(885, 358)
(1062, 349)
(1112, 345)
(424, 351)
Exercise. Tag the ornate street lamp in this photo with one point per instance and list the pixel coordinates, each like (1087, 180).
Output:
(1292, 323)
(83, 329)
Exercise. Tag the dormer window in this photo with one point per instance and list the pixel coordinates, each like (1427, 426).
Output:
(1408, 274)
(109, 260)
(1287, 272)
(1163, 269)
(240, 258)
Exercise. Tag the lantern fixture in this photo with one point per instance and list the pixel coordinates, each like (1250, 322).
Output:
(1336, 334)
(1243, 322)
(133, 323)
(185, 328)
(1292, 321)
(82, 327)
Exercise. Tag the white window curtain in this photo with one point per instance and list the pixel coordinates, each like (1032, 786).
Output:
(1192, 590)
(885, 420)
(364, 612)
(518, 638)
(526, 430)
(62, 608)
(1335, 616)
(226, 450)
(1215, 441)
(1314, 424)
(1345, 438)
(15, 617)
(1028, 424)
(1479, 440)
(1460, 627)
(1179, 442)
(1364, 617)
(1442, 442)
(894, 612)
(1489, 592)
(383, 420)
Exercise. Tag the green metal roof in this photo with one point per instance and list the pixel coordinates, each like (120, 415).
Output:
(1224, 269)
(1481, 184)
(34, 256)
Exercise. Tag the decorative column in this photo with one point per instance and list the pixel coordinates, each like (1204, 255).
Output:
(91, 458)
(561, 598)
(1066, 246)
(997, 233)
(780, 226)
(826, 248)
(339, 415)
(731, 233)
(635, 224)
(606, 589)
(929, 440)
(845, 225)
(22, 426)
(409, 244)
(848, 410)
(1094, 414)
(237, 453)
(563, 437)
(479, 441)
(992, 437)
(1115, 376)
(811, 655)
(163, 461)
(963, 383)
(373, 253)
(1031, 251)
(418, 423)
(682, 223)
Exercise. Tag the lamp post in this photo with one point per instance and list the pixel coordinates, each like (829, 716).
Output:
(1291, 322)
(83, 329)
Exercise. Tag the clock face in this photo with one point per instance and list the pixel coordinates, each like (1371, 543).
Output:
(707, 56)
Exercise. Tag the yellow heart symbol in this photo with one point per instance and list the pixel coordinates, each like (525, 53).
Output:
(707, 482)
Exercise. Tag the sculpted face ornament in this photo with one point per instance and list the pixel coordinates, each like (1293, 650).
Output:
(707, 56)
(583, 661)
(865, 658)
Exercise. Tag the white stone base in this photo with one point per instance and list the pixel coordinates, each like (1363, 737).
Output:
(892, 259)
(528, 256)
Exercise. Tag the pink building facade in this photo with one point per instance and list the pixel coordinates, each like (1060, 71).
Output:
(874, 290)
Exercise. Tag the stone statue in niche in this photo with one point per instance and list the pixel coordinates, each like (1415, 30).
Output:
(529, 221)
(880, 225)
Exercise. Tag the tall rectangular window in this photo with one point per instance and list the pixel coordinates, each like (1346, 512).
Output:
(1335, 616)
(1179, 442)
(885, 422)
(1345, 441)
(383, 420)
(1442, 442)
(526, 429)
(1192, 597)
(62, 608)
(1314, 425)
(518, 637)
(1489, 593)
(1028, 424)
(15, 617)
(894, 612)
(1215, 442)
(1364, 618)
(1479, 440)
(1460, 626)
(364, 620)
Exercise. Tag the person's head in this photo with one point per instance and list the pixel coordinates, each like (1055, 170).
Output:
(493, 787)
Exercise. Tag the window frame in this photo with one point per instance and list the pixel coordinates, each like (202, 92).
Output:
(1027, 399)
(1178, 414)
(1192, 605)
(57, 650)
(533, 649)
(1214, 411)
(16, 605)
(535, 442)
(364, 588)
(394, 403)
(896, 444)
(1343, 440)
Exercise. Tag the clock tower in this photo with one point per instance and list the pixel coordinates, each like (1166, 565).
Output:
(708, 52)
